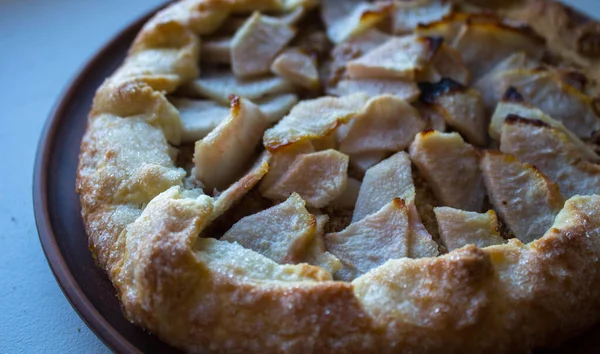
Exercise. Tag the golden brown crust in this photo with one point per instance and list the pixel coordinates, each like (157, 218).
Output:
(115, 179)
(143, 231)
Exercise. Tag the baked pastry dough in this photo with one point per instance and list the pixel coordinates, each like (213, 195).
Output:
(302, 226)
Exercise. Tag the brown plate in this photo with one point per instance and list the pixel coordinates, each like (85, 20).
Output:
(61, 230)
(58, 213)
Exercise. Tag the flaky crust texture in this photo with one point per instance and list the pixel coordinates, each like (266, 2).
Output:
(143, 230)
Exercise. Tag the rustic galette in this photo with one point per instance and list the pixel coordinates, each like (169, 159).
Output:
(351, 176)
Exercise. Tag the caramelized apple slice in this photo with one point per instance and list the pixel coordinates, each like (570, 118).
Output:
(402, 89)
(348, 18)
(280, 233)
(297, 67)
(545, 89)
(281, 160)
(387, 123)
(232, 260)
(446, 63)
(220, 86)
(451, 167)
(486, 84)
(198, 117)
(461, 107)
(225, 200)
(220, 156)
(389, 179)
(246, 6)
(551, 151)
(314, 119)
(485, 43)
(318, 177)
(255, 45)
(513, 105)
(276, 107)
(435, 120)
(387, 234)
(333, 69)
(525, 198)
(459, 228)
(399, 57)
(409, 14)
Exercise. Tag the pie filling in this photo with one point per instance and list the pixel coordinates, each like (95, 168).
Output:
(355, 133)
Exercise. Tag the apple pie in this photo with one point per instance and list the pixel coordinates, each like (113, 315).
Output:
(351, 176)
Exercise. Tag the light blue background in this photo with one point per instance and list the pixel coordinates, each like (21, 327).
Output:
(42, 45)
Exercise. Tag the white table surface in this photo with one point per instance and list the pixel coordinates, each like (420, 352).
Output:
(43, 43)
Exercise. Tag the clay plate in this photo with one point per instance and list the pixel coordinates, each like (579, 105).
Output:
(61, 230)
